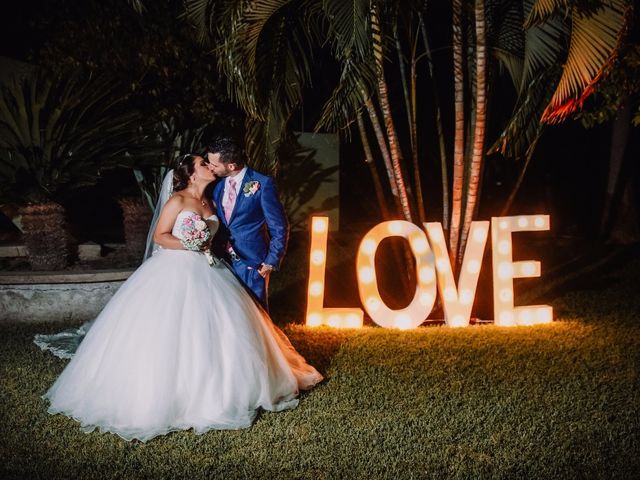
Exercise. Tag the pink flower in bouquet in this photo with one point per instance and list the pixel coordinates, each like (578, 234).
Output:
(195, 235)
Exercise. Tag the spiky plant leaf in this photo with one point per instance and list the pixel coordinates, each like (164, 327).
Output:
(594, 40)
(58, 133)
(350, 34)
(524, 126)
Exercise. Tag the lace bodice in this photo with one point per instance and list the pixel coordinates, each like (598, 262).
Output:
(212, 222)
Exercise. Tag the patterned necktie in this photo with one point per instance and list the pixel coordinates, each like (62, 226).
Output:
(231, 199)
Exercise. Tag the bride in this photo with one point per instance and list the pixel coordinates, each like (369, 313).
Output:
(181, 344)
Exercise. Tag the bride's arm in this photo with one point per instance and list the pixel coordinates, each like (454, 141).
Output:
(162, 236)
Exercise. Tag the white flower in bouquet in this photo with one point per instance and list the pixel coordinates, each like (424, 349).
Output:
(195, 235)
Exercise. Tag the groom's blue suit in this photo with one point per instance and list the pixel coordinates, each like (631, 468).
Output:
(246, 230)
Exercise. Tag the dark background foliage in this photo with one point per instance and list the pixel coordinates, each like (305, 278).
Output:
(166, 73)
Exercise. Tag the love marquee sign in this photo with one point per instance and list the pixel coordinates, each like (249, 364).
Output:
(434, 275)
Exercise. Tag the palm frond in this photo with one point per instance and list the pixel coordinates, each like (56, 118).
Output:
(538, 11)
(348, 27)
(137, 5)
(201, 14)
(594, 41)
(545, 45)
(350, 34)
(513, 63)
(264, 51)
(524, 126)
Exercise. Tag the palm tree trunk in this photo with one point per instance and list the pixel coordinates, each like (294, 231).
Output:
(410, 107)
(523, 170)
(477, 156)
(384, 151)
(619, 221)
(368, 158)
(46, 236)
(136, 218)
(458, 145)
(403, 74)
(440, 131)
(383, 97)
(414, 135)
(393, 147)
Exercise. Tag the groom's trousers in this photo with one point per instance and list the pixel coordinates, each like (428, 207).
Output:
(252, 280)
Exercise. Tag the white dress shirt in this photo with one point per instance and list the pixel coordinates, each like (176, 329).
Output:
(238, 179)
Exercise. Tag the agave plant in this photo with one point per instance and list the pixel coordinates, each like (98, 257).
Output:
(149, 173)
(58, 134)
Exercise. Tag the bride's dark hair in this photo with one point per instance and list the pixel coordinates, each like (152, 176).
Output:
(183, 171)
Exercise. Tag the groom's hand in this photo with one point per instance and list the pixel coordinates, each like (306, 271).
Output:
(265, 269)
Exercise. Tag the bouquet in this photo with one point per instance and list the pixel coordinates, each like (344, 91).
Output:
(195, 235)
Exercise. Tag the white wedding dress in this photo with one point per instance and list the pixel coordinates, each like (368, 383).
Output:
(180, 345)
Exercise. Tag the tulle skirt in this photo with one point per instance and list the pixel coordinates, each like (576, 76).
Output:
(181, 345)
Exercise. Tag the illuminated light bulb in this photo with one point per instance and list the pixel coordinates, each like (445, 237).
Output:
(528, 269)
(539, 222)
(320, 225)
(426, 299)
(480, 234)
(403, 321)
(473, 266)
(544, 315)
(442, 264)
(458, 321)
(314, 319)
(419, 245)
(315, 289)
(436, 234)
(506, 294)
(506, 318)
(450, 294)
(367, 275)
(373, 304)
(369, 246)
(317, 257)
(427, 275)
(395, 227)
(505, 270)
(466, 296)
(523, 222)
(525, 317)
(503, 224)
(352, 321)
(334, 320)
(504, 247)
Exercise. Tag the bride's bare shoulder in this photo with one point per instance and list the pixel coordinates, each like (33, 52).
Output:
(177, 199)
(174, 204)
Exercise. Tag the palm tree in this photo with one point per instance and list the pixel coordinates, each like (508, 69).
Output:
(567, 49)
(586, 40)
(458, 143)
(554, 50)
(58, 134)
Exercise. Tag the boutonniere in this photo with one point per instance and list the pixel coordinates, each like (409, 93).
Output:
(250, 188)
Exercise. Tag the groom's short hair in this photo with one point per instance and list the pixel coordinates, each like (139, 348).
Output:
(230, 151)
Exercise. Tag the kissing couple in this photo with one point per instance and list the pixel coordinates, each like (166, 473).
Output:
(187, 341)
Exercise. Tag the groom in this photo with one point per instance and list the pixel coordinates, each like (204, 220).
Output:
(248, 206)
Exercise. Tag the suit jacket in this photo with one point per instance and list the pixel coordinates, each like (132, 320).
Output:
(252, 215)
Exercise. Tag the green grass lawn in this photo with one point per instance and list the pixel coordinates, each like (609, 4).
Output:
(554, 401)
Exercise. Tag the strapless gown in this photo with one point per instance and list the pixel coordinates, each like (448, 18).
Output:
(180, 345)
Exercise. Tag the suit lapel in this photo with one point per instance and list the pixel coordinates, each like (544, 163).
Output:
(240, 198)
(218, 193)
